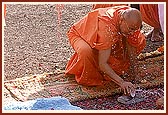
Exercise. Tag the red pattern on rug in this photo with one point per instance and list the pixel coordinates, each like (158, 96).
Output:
(56, 84)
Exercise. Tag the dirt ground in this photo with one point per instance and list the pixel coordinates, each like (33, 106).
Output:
(35, 38)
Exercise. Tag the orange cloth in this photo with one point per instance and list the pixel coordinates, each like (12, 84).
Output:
(95, 6)
(98, 31)
(4, 10)
(150, 14)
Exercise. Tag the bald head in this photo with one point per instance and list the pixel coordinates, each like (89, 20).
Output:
(133, 16)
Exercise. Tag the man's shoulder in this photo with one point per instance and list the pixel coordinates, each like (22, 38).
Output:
(118, 8)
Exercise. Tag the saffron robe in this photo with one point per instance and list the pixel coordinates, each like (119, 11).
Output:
(150, 14)
(95, 6)
(96, 31)
(4, 10)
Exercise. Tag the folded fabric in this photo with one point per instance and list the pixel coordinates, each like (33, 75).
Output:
(53, 103)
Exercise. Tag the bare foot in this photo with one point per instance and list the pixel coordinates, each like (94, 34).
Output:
(160, 102)
(156, 35)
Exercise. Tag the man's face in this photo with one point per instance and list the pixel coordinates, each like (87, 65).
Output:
(128, 27)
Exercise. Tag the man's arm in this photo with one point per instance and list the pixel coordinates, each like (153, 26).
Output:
(103, 58)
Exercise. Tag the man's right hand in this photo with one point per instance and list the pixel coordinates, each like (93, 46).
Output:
(127, 87)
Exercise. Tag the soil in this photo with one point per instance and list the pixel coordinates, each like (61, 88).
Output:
(35, 38)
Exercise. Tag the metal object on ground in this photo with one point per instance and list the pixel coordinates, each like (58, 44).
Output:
(132, 93)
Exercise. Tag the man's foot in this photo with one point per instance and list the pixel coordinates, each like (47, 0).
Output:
(156, 35)
(160, 102)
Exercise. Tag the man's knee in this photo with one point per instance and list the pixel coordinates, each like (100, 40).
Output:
(83, 49)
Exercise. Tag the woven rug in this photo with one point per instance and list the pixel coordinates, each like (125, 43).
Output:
(56, 84)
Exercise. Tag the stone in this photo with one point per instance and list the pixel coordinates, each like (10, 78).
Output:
(129, 100)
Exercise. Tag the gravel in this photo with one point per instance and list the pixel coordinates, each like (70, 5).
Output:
(35, 38)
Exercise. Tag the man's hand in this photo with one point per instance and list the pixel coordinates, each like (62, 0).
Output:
(127, 87)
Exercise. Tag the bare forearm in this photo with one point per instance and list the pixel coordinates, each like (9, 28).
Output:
(113, 76)
(103, 59)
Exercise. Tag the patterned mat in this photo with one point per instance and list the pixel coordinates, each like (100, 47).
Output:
(56, 84)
